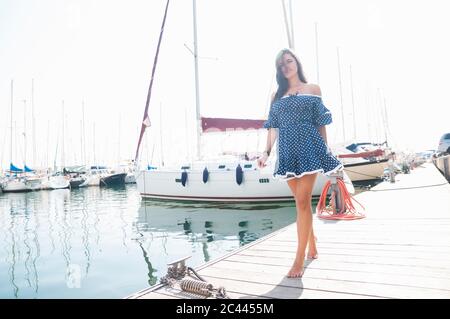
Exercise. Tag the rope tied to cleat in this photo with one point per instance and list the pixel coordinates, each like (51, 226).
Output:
(188, 280)
(340, 205)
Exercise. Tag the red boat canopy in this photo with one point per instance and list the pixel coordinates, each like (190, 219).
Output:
(375, 153)
(210, 124)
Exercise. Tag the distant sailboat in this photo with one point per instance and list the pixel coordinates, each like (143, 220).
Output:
(15, 181)
(32, 180)
(58, 180)
(360, 165)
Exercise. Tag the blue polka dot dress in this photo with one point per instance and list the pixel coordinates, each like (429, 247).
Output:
(301, 148)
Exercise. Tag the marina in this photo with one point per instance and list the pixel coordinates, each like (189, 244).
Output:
(172, 155)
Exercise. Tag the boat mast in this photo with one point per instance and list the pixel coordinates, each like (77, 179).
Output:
(146, 120)
(382, 110)
(24, 134)
(11, 137)
(62, 139)
(369, 129)
(118, 146)
(161, 134)
(81, 141)
(376, 117)
(197, 90)
(83, 134)
(286, 22)
(188, 157)
(33, 123)
(93, 138)
(353, 104)
(48, 143)
(292, 25)
(386, 122)
(340, 91)
(317, 52)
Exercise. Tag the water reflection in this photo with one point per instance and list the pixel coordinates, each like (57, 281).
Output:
(107, 243)
(152, 278)
(206, 223)
(13, 258)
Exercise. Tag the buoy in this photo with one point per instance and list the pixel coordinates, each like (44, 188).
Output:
(205, 175)
(184, 177)
(340, 205)
(239, 174)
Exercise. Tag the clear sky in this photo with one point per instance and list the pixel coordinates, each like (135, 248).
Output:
(101, 51)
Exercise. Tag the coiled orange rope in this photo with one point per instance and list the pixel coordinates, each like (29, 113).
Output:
(347, 210)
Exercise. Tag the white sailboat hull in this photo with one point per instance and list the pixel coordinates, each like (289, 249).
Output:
(257, 186)
(15, 185)
(34, 183)
(365, 170)
(58, 182)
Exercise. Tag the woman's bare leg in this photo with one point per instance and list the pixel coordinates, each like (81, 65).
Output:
(312, 248)
(303, 193)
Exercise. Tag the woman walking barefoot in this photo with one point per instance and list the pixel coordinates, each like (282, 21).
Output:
(297, 118)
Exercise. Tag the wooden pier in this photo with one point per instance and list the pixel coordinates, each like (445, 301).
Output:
(400, 250)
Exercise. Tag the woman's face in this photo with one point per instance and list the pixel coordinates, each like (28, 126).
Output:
(288, 65)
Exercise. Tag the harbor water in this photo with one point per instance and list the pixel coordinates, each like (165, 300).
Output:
(108, 243)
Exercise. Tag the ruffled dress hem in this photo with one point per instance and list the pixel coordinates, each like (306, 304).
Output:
(321, 170)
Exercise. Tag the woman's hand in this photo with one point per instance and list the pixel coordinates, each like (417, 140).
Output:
(262, 160)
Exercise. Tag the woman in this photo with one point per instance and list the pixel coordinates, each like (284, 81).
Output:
(298, 117)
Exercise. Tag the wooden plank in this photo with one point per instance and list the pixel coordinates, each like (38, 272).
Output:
(342, 274)
(370, 243)
(279, 291)
(338, 246)
(411, 229)
(352, 258)
(425, 255)
(306, 282)
(410, 270)
(439, 238)
(377, 241)
(429, 235)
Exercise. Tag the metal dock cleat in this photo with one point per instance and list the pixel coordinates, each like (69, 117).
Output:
(190, 281)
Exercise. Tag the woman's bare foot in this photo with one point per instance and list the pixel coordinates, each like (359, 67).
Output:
(296, 270)
(313, 254)
(312, 250)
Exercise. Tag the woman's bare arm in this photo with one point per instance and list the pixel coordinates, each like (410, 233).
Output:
(271, 137)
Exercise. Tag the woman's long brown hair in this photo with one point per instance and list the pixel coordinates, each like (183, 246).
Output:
(283, 84)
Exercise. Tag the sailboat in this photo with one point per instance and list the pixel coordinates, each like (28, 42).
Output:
(15, 180)
(363, 162)
(57, 180)
(235, 180)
